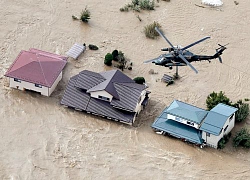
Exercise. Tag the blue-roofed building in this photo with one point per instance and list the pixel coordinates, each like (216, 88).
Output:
(219, 122)
(194, 124)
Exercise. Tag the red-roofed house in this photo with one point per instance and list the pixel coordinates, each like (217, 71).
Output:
(36, 70)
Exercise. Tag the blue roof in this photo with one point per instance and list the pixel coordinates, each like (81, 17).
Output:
(224, 109)
(216, 118)
(177, 129)
(187, 111)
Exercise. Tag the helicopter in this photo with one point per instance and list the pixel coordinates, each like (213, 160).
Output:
(180, 56)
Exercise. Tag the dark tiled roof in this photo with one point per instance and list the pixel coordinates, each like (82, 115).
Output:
(103, 108)
(115, 82)
(40, 68)
(128, 97)
(74, 97)
(113, 76)
(88, 79)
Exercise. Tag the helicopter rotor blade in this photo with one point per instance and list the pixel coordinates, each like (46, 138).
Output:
(164, 37)
(190, 45)
(155, 59)
(184, 59)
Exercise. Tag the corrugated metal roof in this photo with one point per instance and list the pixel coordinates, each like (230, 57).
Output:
(38, 68)
(187, 111)
(177, 129)
(76, 50)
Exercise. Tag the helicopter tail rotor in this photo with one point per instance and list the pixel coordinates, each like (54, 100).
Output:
(220, 50)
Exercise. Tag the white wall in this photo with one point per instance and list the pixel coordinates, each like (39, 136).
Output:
(213, 140)
(30, 86)
(101, 93)
(181, 120)
(52, 88)
(230, 124)
(139, 107)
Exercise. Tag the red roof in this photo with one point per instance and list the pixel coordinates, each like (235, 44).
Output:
(36, 66)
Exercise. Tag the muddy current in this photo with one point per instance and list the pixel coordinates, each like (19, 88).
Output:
(40, 139)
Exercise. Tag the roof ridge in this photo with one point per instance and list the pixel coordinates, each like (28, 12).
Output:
(190, 105)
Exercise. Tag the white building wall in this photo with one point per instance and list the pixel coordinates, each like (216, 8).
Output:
(103, 93)
(181, 120)
(213, 140)
(30, 86)
(230, 123)
(139, 107)
(52, 88)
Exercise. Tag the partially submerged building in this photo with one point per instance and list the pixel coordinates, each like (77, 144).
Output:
(194, 124)
(109, 94)
(36, 70)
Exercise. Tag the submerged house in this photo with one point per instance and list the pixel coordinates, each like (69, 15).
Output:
(36, 70)
(109, 94)
(194, 124)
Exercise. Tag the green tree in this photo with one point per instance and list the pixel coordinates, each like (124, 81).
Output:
(108, 59)
(215, 98)
(243, 111)
(115, 54)
(242, 138)
(85, 15)
(139, 80)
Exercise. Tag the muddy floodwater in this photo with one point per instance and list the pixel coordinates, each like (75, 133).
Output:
(40, 139)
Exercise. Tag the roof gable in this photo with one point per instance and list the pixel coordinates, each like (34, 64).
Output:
(187, 111)
(36, 68)
(111, 77)
(217, 118)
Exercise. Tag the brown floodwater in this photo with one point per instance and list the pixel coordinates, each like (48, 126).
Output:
(40, 139)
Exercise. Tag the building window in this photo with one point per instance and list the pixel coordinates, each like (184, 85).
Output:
(225, 128)
(38, 85)
(231, 117)
(17, 80)
(190, 123)
(208, 134)
(103, 98)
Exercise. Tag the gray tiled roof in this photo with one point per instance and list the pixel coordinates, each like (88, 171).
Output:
(113, 76)
(76, 94)
(128, 97)
(88, 79)
(103, 108)
(74, 97)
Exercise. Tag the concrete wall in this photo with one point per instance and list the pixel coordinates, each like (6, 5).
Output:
(181, 120)
(101, 93)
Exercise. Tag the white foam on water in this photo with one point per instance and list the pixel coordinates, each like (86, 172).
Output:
(212, 2)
